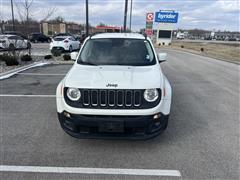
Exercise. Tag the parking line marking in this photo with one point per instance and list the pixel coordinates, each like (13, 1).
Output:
(40, 74)
(23, 95)
(80, 170)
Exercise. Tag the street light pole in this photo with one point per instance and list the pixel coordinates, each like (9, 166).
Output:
(130, 26)
(13, 23)
(125, 16)
(87, 24)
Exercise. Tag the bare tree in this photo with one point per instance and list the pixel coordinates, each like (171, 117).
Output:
(24, 9)
(49, 13)
(25, 12)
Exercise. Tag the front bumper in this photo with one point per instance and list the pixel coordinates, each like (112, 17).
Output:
(59, 48)
(117, 127)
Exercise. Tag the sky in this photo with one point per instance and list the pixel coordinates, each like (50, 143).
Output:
(202, 14)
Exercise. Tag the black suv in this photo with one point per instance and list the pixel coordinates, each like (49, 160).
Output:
(39, 37)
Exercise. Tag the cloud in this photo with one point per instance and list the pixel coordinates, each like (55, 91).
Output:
(205, 14)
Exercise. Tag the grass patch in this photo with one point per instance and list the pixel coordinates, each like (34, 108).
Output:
(26, 58)
(66, 57)
(229, 52)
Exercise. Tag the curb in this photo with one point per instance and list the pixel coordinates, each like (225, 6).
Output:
(10, 73)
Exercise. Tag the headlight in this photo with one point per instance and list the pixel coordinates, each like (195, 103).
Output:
(151, 95)
(73, 94)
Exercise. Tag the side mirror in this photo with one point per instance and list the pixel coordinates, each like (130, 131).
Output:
(162, 57)
(74, 56)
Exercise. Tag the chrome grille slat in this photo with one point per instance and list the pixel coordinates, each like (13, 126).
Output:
(94, 97)
(137, 98)
(111, 98)
(120, 98)
(128, 98)
(103, 98)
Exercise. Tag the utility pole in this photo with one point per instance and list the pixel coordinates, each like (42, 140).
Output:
(87, 24)
(125, 16)
(130, 24)
(13, 23)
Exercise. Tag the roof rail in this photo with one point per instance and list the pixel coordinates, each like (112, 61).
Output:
(93, 34)
(145, 35)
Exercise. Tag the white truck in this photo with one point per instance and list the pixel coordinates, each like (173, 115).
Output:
(180, 35)
(116, 88)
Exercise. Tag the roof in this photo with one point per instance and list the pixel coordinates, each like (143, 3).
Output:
(108, 27)
(6, 35)
(119, 35)
(62, 37)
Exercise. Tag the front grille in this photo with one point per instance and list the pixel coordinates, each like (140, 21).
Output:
(112, 99)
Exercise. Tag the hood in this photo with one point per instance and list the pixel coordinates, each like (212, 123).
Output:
(114, 77)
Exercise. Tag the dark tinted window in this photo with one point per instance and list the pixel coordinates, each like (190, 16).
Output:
(114, 51)
(59, 39)
(164, 34)
(13, 38)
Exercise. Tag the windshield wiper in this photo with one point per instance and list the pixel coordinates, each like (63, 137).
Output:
(87, 63)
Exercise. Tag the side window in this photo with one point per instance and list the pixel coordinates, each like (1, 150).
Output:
(150, 55)
(19, 38)
(12, 38)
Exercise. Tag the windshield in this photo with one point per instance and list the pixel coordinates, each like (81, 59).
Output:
(59, 39)
(113, 51)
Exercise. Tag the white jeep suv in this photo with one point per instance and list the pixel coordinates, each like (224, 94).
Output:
(116, 88)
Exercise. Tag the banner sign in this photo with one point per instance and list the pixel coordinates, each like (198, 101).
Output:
(149, 24)
(166, 17)
(149, 32)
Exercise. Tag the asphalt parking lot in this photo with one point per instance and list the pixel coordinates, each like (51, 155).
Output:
(201, 142)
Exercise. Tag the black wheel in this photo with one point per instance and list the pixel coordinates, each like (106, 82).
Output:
(70, 49)
(29, 45)
(35, 41)
(11, 47)
(49, 40)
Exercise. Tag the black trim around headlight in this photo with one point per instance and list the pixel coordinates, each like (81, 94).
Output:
(112, 99)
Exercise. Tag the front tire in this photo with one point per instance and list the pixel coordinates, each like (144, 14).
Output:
(70, 49)
(29, 46)
(11, 47)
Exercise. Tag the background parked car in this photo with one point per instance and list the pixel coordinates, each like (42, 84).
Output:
(39, 37)
(64, 43)
(13, 42)
(15, 33)
(232, 39)
(63, 34)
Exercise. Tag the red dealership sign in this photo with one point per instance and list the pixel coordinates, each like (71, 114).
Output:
(150, 17)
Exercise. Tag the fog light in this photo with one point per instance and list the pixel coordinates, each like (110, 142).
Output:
(67, 115)
(156, 116)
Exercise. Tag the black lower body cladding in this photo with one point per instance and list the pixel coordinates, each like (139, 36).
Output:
(116, 127)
